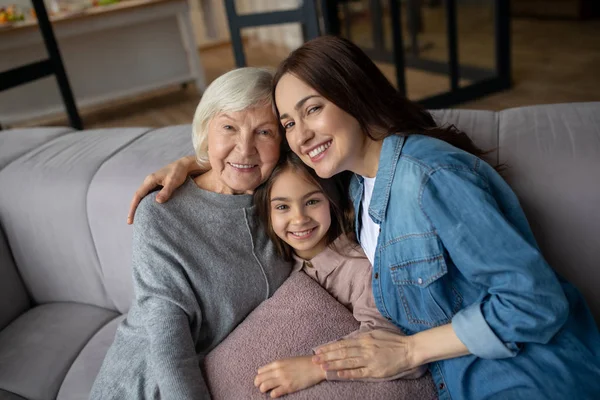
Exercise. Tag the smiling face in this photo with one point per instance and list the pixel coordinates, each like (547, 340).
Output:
(326, 138)
(300, 213)
(243, 149)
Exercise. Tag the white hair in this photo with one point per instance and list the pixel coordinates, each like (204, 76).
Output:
(234, 91)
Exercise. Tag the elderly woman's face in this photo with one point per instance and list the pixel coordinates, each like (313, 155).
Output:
(243, 148)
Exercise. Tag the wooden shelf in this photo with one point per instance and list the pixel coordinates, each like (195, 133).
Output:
(91, 12)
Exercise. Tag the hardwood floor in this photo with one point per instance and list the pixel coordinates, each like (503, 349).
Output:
(552, 61)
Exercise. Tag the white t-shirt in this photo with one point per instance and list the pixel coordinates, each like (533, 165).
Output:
(369, 230)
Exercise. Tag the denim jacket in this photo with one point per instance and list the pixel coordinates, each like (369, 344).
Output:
(455, 247)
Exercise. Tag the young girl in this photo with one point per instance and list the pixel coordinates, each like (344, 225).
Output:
(309, 220)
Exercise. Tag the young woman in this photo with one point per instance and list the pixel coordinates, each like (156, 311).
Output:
(455, 264)
(307, 218)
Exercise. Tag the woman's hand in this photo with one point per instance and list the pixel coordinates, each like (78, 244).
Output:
(381, 354)
(375, 354)
(170, 178)
(288, 375)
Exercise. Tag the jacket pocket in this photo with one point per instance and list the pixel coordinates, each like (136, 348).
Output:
(420, 274)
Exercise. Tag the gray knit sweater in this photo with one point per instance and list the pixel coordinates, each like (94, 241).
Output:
(201, 263)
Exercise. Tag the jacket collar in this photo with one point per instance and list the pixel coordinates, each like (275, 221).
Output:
(388, 158)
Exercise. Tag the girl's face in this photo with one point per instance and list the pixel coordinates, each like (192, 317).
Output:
(324, 136)
(299, 214)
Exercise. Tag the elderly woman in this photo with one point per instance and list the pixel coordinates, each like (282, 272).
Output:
(201, 262)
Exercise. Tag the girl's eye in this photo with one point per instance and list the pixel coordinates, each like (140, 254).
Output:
(288, 125)
(312, 202)
(281, 207)
(313, 109)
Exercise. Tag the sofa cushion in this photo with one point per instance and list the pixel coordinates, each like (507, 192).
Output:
(480, 126)
(16, 142)
(108, 202)
(553, 157)
(300, 316)
(44, 203)
(38, 348)
(80, 378)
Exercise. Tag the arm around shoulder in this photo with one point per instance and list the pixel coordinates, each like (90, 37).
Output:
(169, 177)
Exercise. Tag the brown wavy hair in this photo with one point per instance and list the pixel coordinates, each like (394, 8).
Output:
(342, 73)
(335, 190)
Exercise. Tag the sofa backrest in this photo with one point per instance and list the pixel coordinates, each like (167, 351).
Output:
(553, 158)
(63, 208)
(480, 126)
(108, 198)
(14, 143)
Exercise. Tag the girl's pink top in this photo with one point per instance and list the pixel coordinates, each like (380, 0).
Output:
(345, 272)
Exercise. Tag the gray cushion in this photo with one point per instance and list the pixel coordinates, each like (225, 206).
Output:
(46, 211)
(480, 126)
(108, 201)
(4, 395)
(38, 348)
(80, 378)
(553, 158)
(300, 316)
(13, 297)
(16, 142)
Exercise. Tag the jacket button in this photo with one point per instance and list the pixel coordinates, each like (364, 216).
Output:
(442, 386)
(376, 275)
(420, 281)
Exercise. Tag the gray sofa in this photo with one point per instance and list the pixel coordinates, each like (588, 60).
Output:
(65, 247)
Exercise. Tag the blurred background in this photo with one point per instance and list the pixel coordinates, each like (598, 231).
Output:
(139, 63)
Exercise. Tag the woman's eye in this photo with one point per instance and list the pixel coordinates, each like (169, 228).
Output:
(227, 127)
(288, 125)
(264, 132)
(312, 202)
(313, 109)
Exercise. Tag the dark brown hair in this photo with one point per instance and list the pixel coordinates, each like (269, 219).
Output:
(335, 190)
(342, 73)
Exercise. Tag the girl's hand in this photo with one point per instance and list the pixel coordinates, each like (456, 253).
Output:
(376, 354)
(288, 375)
(170, 178)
